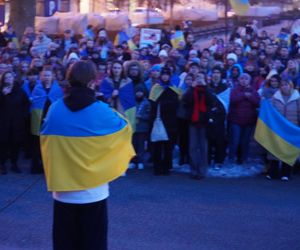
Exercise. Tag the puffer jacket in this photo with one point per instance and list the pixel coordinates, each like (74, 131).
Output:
(289, 109)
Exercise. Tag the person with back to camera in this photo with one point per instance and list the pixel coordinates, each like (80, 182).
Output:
(85, 145)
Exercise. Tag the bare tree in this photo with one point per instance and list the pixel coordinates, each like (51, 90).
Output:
(22, 13)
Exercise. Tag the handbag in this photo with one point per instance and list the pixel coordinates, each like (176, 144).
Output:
(158, 132)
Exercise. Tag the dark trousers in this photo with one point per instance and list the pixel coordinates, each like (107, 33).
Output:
(36, 154)
(80, 226)
(162, 156)
(216, 144)
(274, 169)
(183, 140)
(138, 141)
(239, 140)
(9, 150)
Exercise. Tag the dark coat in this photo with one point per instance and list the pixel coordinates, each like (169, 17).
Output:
(169, 102)
(143, 112)
(13, 114)
(187, 104)
(243, 110)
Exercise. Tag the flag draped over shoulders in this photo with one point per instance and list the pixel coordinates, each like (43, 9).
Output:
(126, 98)
(38, 101)
(158, 89)
(278, 135)
(86, 148)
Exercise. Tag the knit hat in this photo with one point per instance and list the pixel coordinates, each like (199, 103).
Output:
(163, 53)
(156, 67)
(73, 56)
(232, 56)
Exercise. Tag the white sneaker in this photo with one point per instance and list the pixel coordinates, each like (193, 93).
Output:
(217, 166)
(285, 178)
(131, 166)
(141, 166)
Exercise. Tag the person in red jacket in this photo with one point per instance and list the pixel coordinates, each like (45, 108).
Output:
(244, 101)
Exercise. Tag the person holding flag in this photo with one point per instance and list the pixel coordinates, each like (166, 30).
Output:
(277, 127)
(82, 153)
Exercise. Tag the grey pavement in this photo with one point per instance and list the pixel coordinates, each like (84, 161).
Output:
(174, 212)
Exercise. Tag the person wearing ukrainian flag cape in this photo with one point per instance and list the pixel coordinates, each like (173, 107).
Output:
(85, 145)
(46, 92)
(118, 90)
(165, 96)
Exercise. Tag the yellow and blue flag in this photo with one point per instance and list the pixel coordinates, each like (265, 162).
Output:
(122, 37)
(157, 90)
(126, 98)
(38, 101)
(276, 134)
(84, 149)
(240, 7)
(176, 38)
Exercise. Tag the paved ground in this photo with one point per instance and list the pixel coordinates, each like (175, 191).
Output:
(165, 213)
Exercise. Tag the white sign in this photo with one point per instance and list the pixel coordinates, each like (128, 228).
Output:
(149, 36)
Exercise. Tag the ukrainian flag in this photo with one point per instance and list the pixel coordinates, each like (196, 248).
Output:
(176, 38)
(38, 101)
(157, 90)
(240, 7)
(276, 134)
(126, 98)
(84, 149)
(224, 98)
(122, 37)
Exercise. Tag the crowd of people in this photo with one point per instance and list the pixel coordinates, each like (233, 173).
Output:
(206, 99)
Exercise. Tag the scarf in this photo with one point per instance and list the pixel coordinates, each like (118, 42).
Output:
(199, 102)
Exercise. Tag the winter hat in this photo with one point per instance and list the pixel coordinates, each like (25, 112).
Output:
(195, 60)
(272, 73)
(73, 56)
(163, 53)
(239, 42)
(232, 56)
(156, 67)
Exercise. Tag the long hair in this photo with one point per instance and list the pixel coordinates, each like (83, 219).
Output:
(111, 74)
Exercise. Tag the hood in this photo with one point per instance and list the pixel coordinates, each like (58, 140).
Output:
(78, 98)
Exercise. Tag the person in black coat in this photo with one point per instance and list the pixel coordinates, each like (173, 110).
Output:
(198, 103)
(14, 107)
(216, 133)
(168, 101)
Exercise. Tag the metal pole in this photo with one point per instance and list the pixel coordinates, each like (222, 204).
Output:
(226, 20)
(148, 13)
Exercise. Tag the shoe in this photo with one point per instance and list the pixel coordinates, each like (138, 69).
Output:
(268, 177)
(285, 178)
(217, 167)
(141, 166)
(16, 169)
(131, 166)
